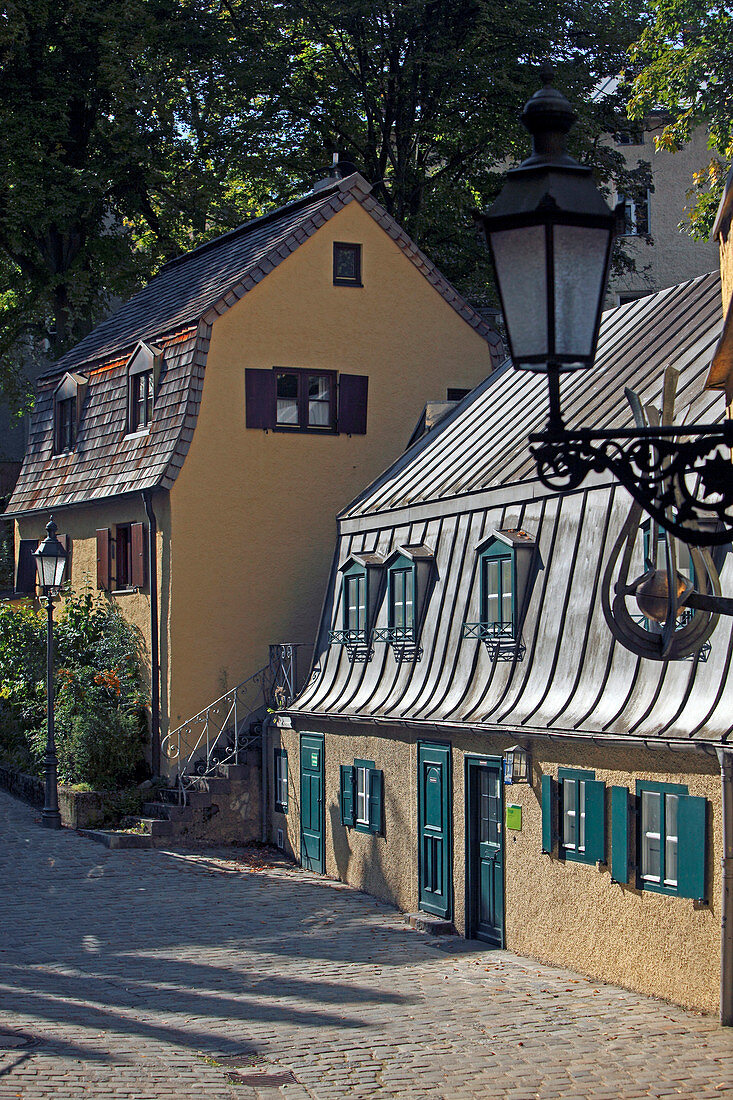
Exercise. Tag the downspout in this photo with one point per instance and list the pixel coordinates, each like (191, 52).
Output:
(265, 833)
(154, 640)
(725, 756)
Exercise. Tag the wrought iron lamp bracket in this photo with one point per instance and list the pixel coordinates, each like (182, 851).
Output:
(680, 476)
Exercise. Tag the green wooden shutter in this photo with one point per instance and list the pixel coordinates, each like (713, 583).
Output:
(595, 821)
(619, 834)
(376, 783)
(347, 794)
(548, 814)
(286, 775)
(691, 848)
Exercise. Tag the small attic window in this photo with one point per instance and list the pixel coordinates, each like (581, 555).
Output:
(68, 400)
(346, 264)
(410, 576)
(143, 373)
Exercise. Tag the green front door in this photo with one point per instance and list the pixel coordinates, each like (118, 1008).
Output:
(434, 857)
(485, 855)
(311, 802)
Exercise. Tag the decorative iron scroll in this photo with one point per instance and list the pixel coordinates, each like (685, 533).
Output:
(680, 477)
(501, 645)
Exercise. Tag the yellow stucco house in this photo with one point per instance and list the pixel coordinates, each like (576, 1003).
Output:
(195, 448)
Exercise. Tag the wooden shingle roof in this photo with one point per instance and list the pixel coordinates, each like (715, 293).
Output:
(176, 311)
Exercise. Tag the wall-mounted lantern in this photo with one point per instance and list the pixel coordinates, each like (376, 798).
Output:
(516, 765)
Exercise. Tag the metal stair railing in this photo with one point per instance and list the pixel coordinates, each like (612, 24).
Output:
(223, 731)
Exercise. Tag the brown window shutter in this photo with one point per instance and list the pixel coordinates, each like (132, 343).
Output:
(103, 558)
(352, 418)
(137, 555)
(259, 393)
(25, 576)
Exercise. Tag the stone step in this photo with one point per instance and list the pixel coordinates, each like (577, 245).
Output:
(236, 772)
(150, 826)
(114, 838)
(166, 811)
(435, 926)
(214, 784)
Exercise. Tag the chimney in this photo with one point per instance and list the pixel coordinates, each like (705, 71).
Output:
(338, 169)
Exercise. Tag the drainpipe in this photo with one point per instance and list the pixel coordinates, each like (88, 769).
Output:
(725, 756)
(154, 642)
(268, 722)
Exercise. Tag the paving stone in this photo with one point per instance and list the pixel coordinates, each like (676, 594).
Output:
(151, 975)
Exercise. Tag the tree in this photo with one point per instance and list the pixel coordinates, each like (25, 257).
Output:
(424, 96)
(127, 133)
(683, 64)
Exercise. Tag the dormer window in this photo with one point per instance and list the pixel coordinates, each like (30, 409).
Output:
(361, 588)
(410, 575)
(143, 373)
(68, 400)
(505, 572)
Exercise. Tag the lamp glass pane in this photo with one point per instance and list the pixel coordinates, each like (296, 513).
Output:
(60, 565)
(579, 257)
(519, 258)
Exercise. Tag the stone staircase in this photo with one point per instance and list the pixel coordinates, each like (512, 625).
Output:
(221, 808)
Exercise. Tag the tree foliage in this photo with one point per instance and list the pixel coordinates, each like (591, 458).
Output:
(127, 132)
(683, 64)
(133, 130)
(100, 725)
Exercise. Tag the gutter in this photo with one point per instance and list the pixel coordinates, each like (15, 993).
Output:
(154, 633)
(725, 756)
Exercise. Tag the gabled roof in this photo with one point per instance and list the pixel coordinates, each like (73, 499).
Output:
(199, 284)
(175, 311)
(482, 444)
(472, 478)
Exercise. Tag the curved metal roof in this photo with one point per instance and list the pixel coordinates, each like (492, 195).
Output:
(473, 475)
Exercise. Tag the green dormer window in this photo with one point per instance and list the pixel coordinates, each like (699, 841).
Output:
(410, 578)
(505, 573)
(361, 585)
(355, 603)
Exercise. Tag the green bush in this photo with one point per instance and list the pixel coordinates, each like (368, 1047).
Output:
(99, 710)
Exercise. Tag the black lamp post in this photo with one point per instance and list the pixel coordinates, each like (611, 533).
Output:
(550, 234)
(50, 564)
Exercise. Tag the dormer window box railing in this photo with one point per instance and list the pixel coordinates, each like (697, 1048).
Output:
(499, 640)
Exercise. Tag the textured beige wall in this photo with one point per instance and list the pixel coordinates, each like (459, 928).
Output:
(725, 241)
(81, 524)
(563, 913)
(673, 256)
(253, 513)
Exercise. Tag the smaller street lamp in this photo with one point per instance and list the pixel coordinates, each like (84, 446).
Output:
(550, 234)
(50, 565)
(516, 765)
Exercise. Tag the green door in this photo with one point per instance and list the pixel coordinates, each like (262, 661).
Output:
(485, 870)
(311, 802)
(434, 857)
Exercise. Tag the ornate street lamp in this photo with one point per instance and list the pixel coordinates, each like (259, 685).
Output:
(550, 234)
(50, 564)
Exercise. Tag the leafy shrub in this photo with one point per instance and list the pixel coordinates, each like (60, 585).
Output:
(99, 711)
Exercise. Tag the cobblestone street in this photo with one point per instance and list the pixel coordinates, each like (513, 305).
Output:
(144, 975)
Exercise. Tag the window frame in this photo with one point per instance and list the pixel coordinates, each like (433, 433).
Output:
(355, 249)
(660, 886)
(123, 540)
(281, 779)
(136, 379)
(372, 796)
(631, 215)
(502, 555)
(593, 816)
(357, 633)
(303, 374)
(361, 793)
(403, 567)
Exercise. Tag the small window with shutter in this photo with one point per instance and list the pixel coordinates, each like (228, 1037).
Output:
(360, 796)
(122, 558)
(297, 399)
